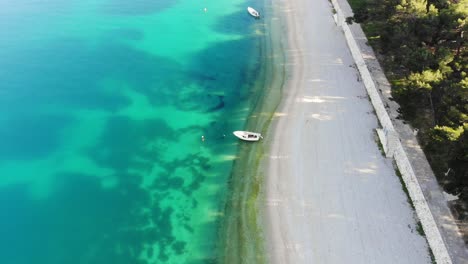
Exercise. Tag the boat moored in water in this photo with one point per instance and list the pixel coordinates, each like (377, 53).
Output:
(253, 12)
(248, 136)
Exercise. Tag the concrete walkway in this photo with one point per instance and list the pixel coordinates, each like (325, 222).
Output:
(433, 193)
(331, 197)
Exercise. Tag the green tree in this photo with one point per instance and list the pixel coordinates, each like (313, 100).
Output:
(425, 55)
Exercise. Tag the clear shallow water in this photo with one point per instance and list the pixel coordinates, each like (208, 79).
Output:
(102, 106)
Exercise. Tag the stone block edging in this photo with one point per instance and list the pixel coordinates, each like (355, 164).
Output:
(393, 147)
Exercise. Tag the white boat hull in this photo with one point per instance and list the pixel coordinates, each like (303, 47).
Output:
(253, 12)
(247, 136)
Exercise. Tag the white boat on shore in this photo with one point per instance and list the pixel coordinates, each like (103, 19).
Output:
(253, 12)
(248, 136)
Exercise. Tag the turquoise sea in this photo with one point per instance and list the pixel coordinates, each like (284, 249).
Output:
(102, 107)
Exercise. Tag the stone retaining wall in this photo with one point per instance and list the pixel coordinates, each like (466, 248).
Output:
(393, 147)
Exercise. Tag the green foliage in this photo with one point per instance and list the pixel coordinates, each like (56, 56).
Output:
(464, 83)
(459, 164)
(444, 133)
(425, 55)
(444, 57)
(420, 229)
(425, 79)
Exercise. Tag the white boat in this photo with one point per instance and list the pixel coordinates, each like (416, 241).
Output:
(248, 136)
(253, 12)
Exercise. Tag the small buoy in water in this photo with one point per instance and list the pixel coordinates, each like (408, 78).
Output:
(205, 9)
(202, 138)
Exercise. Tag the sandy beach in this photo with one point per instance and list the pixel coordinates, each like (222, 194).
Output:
(331, 196)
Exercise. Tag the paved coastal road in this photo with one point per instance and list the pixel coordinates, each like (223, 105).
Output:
(444, 219)
(331, 196)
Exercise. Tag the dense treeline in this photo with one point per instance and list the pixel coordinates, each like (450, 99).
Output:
(423, 47)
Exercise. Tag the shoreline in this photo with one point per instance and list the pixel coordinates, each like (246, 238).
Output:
(328, 188)
(242, 235)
